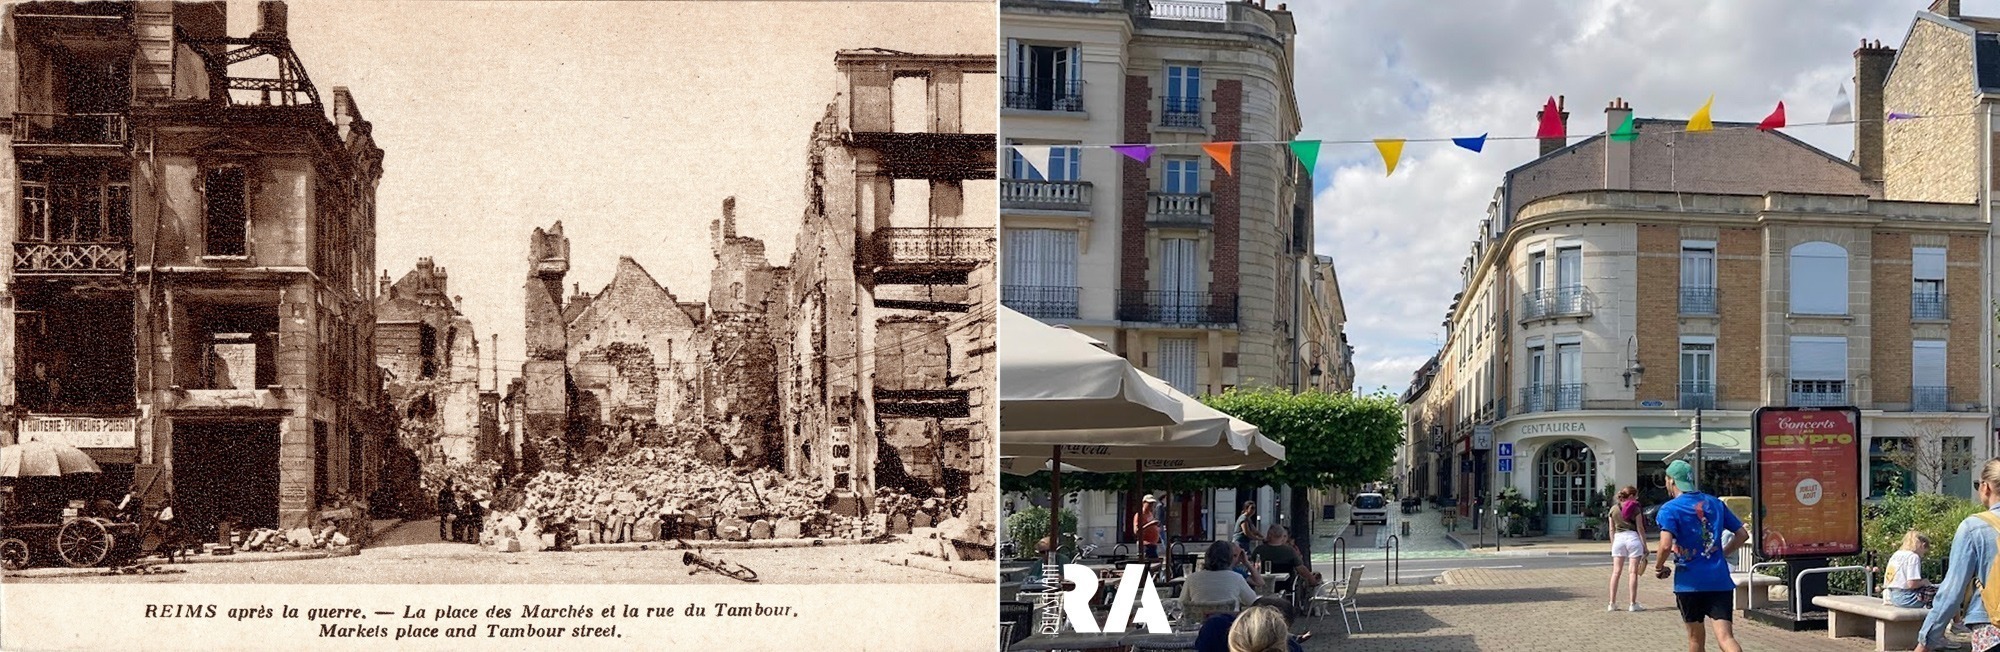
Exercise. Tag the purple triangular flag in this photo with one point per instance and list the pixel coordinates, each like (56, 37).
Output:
(1140, 153)
(1901, 116)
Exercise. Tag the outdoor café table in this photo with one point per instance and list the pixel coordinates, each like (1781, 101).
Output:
(1172, 641)
(1071, 641)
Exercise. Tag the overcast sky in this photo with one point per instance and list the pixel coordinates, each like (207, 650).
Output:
(1372, 69)
(628, 121)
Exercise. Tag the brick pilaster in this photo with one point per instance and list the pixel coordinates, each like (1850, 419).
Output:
(1132, 262)
(1739, 350)
(1226, 189)
(1658, 318)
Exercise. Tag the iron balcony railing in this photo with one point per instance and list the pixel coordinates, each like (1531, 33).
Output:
(1561, 301)
(1930, 398)
(1697, 300)
(1180, 208)
(1023, 194)
(36, 258)
(1044, 93)
(1817, 393)
(70, 128)
(1927, 305)
(933, 245)
(1697, 396)
(1180, 111)
(1551, 398)
(1040, 301)
(1177, 307)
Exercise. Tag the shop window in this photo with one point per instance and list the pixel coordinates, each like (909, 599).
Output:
(1885, 476)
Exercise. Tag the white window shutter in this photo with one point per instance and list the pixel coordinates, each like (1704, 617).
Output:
(1927, 362)
(1927, 263)
(1818, 279)
(1819, 358)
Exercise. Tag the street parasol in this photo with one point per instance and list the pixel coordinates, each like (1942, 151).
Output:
(44, 459)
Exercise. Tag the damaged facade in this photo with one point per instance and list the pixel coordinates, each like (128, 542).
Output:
(430, 356)
(188, 297)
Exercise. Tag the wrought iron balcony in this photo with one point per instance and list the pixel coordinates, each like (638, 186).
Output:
(933, 246)
(72, 258)
(1927, 305)
(1550, 398)
(1040, 301)
(69, 129)
(1023, 194)
(1817, 393)
(1697, 300)
(1043, 94)
(1180, 209)
(1180, 112)
(1561, 301)
(1930, 398)
(1697, 395)
(1177, 307)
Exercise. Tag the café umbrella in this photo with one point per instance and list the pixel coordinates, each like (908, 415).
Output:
(42, 458)
(1051, 379)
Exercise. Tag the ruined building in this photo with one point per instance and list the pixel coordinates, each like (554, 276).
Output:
(189, 293)
(430, 355)
(887, 355)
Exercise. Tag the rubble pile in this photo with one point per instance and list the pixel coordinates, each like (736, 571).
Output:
(906, 512)
(694, 499)
(270, 540)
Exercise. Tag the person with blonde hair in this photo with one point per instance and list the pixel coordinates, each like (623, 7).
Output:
(1903, 583)
(1628, 545)
(1972, 551)
(1259, 629)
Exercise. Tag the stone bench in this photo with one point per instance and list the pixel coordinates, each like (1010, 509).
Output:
(1849, 615)
(1745, 582)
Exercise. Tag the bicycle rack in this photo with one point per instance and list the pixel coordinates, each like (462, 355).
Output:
(1751, 603)
(1392, 562)
(1340, 555)
(1798, 601)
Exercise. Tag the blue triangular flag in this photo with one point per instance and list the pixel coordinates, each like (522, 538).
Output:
(1475, 143)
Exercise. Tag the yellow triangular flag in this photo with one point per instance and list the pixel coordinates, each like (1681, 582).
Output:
(1700, 120)
(1221, 152)
(1392, 151)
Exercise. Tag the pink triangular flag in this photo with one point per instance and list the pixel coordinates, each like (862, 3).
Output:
(1140, 153)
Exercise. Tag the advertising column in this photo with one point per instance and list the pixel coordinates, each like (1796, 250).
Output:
(1808, 489)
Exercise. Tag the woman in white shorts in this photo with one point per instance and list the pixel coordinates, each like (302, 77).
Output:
(1628, 545)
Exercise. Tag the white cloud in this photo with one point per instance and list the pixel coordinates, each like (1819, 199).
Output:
(1466, 67)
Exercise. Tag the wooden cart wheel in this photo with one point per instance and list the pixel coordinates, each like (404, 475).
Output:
(83, 542)
(13, 554)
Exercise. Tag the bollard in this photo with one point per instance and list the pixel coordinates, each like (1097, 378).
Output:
(1406, 528)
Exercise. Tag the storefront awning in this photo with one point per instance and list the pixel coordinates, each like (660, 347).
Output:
(1656, 443)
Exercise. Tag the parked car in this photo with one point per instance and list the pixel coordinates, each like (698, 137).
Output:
(1370, 508)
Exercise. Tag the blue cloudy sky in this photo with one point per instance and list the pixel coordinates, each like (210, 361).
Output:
(1465, 67)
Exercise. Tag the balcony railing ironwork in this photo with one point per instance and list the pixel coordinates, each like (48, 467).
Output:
(1040, 301)
(933, 245)
(1817, 393)
(1561, 301)
(1044, 93)
(1024, 194)
(1697, 395)
(1697, 300)
(72, 257)
(1927, 305)
(1931, 398)
(1180, 111)
(70, 128)
(1550, 398)
(1177, 307)
(1180, 208)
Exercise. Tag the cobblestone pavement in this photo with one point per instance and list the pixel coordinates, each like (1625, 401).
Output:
(411, 554)
(1558, 610)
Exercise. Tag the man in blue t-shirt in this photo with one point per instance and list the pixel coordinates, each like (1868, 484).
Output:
(1692, 527)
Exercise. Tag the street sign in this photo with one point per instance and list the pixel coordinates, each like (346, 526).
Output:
(1507, 449)
(1506, 464)
(1482, 438)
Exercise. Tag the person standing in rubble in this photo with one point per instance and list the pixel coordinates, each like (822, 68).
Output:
(447, 510)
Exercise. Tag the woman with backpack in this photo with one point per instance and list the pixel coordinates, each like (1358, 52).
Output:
(1628, 545)
(1972, 554)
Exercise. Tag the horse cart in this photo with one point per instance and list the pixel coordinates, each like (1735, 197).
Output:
(35, 529)
(77, 541)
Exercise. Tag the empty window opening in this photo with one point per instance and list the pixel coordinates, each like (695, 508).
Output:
(228, 221)
(909, 98)
(75, 202)
(910, 203)
(237, 345)
(427, 350)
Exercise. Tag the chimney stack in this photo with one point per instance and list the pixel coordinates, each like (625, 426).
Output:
(270, 20)
(1553, 144)
(1871, 74)
(1617, 153)
(1946, 8)
(385, 284)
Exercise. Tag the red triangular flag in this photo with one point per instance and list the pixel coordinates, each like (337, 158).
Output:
(1774, 121)
(1552, 121)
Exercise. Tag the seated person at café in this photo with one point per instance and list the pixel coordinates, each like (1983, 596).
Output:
(1215, 632)
(1283, 555)
(1248, 568)
(1216, 582)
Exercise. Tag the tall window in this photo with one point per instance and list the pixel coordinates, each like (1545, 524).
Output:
(1044, 77)
(1698, 279)
(228, 221)
(1040, 273)
(1927, 381)
(1569, 377)
(1697, 387)
(1569, 280)
(1183, 176)
(1180, 292)
(1065, 164)
(1818, 279)
(1818, 371)
(1177, 364)
(1182, 105)
(1927, 283)
(1534, 398)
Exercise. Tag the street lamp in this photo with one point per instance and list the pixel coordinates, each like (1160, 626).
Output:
(1313, 351)
(1634, 373)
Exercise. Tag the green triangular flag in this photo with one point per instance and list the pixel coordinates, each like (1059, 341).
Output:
(1308, 153)
(1625, 132)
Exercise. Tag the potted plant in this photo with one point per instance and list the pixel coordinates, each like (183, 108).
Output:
(1538, 519)
(1508, 506)
(1594, 513)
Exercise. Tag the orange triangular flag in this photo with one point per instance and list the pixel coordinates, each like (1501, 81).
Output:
(1221, 153)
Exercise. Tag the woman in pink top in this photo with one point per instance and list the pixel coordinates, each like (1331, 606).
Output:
(1628, 544)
